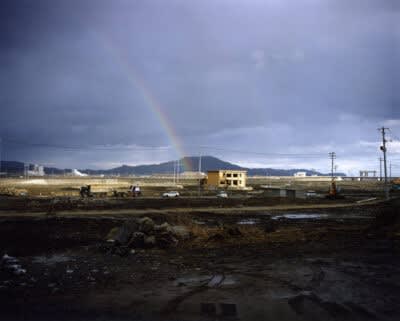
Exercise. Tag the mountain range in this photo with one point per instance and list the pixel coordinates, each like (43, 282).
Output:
(207, 163)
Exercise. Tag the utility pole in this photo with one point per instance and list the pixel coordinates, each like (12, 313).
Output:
(390, 171)
(200, 176)
(174, 171)
(332, 156)
(332, 189)
(178, 170)
(1, 149)
(383, 149)
(380, 169)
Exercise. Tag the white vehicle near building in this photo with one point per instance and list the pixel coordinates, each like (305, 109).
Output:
(170, 194)
(311, 194)
(222, 194)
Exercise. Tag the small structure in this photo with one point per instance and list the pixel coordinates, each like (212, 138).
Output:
(34, 170)
(227, 179)
(366, 173)
(283, 192)
(300, 174)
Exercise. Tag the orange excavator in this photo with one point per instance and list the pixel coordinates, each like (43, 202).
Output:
(395, 184)
(333, 192)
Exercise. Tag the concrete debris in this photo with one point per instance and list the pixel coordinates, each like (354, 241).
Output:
(144, 233)
(111, 235)
(234, 231)
(146, 225)
(11, 264)
(137, 240)
(209, 309)
(181, 232)
(150, 241)
(123, 235)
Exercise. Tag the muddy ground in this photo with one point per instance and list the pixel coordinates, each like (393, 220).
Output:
(318, 264)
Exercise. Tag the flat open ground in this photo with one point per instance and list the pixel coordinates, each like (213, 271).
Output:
(247, 258)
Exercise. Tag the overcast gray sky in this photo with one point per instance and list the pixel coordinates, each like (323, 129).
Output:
(267, 76)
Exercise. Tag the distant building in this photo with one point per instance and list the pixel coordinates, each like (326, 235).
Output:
(227, 179)
(75, 172)
(300, 174)
(35, 170)
(192, 175)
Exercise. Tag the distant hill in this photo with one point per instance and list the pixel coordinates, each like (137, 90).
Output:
(207, 163)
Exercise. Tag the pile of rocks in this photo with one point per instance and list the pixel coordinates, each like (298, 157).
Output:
(144, 233)
(12, 191)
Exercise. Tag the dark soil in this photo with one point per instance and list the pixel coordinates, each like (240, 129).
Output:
(310, 269)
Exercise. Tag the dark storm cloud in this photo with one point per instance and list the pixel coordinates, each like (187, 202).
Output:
(257, 75)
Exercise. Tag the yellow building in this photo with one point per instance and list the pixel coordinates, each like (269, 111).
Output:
(227, 179)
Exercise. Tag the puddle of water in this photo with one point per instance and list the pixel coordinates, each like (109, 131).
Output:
(209, 280)
(193, 280)
(229, 280)
(50, 260)
(199, 222)
(300, 216)
(248, 221)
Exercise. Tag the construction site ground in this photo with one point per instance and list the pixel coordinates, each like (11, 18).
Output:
(269, 259)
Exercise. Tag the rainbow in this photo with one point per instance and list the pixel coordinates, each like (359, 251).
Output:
(151, 102)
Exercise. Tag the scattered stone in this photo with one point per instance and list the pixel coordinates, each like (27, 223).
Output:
(150, 241)
(123, 235)
(208, 309)
(234, 231)
(181, 232)
(216, 237)
(137, 240)
(112, 234)
(146, 225)
(163, 228)
(270, 226)
(166, 240)
(121, 250)
(228, 309)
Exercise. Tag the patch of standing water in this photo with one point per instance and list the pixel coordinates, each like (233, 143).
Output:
(248, 221)
(50, 260)
(209, 280)
(300, 216)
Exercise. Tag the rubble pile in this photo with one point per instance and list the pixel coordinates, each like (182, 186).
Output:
(12, 265)
(12, 191)
(143, 233)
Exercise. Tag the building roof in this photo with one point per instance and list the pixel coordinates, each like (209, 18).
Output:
(227, 170)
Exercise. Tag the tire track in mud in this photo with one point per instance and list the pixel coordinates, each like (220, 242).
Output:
(215, 281)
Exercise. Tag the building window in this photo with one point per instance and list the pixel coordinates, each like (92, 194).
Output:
(235, 175)
(222, 182)
(228, 175)
(235, 182)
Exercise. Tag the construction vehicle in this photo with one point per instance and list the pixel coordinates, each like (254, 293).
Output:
(395, 186)
(333, 192)
(134, 191)
(85, 191)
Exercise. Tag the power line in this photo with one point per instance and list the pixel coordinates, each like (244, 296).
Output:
(300, 155)
(88, 147)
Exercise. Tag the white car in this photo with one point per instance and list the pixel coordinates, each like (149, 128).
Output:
(222, 194)
(311, 194)
(171, 194)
